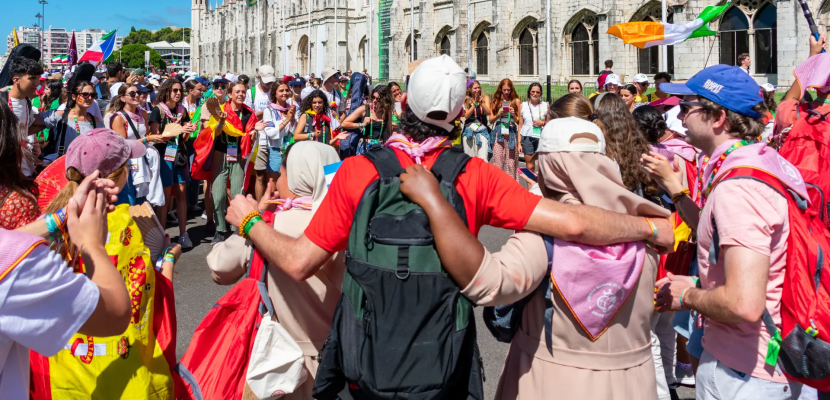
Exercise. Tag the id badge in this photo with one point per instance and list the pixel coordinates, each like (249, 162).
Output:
(505, 130)
(233, 151)
(132, 164)
(475, 126)
(537, 131)
(170, 152)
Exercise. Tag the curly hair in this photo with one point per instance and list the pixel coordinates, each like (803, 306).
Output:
(385, 108)
(769, 100)
(166, 89)
(317, 94)
(651, 123)
(624, 142)
(419, 130)
(497, 97)
(11, 154)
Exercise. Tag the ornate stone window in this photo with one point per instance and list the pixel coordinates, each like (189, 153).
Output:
(584, 43)
(750, 27)
(482, 47)
(445, 46)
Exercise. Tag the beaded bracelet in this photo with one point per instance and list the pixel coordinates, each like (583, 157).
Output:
(250, 225)
(681, 298)
(245, 221)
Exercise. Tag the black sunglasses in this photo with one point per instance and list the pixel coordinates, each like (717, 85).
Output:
(220, 87)
(685, 106)
(132, 94)
(87, 95)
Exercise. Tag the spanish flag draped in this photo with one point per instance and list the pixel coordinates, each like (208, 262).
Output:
(644, 34)
(140, 363)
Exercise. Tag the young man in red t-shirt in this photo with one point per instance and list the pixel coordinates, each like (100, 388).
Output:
(431, 107)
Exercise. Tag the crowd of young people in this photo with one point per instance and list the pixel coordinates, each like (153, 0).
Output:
(621, 183)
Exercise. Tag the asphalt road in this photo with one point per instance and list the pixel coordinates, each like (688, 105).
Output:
(196, 294)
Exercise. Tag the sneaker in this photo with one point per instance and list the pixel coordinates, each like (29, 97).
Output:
(194, 208)
(204, 216)
(218, 237)
(184, 241)
(171, 218)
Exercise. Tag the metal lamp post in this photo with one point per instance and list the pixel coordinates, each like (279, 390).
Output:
(42, 14)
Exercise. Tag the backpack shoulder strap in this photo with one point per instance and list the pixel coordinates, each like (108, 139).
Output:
(767, 179)
(545, 288)
(257, 269)
(449, 164)
(132, 126)
(386, 162)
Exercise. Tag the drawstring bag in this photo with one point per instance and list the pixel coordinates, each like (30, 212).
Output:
(277, 366)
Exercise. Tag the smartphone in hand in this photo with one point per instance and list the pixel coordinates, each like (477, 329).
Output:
(528, 173)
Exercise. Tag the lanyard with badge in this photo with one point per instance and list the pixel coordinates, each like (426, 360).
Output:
(505, 127)
(172, 146)
(233, 151)
(475, 126)
(537, 130)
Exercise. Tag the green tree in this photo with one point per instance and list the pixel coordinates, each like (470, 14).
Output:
(132, 56)
(141, 36)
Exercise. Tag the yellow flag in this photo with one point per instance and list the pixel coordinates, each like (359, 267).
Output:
(14, 32)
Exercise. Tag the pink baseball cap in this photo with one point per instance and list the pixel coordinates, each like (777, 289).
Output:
(101, 149)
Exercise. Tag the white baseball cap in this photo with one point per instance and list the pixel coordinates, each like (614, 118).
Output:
(613, 78)
(558, 133)
(768, 87)
(306, 91)
(640, 78)
(266, 74)
(231, 78)
(437, 85)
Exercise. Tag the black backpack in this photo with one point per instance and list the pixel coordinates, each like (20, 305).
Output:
(402, 329)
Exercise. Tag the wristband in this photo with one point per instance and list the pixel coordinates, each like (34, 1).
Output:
(250, 225)
(170, 257)
(681, 298)
(245, 221)
(678, 196)
(697, 282)
(653, 230)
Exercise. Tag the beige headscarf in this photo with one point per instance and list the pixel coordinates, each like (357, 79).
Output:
(305, 170)
(592, 179)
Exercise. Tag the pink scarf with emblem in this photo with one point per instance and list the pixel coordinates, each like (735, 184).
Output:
(414, 149)
(594, 281)
(179, 112)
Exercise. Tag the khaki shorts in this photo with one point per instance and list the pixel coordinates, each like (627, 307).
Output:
(261, 158)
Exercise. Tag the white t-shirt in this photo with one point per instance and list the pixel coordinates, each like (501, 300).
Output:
(260, 102)
(26, 117)
(42, 304)
(532, 113)
(114, 89)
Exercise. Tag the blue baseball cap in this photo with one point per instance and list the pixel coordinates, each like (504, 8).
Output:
(297, 82)
(142, 89)
(730, 87)
(220, 80)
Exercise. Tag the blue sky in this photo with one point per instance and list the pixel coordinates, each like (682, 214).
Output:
(95, 14)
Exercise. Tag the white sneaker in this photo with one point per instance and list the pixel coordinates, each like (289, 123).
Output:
(204, 216)
(184, 241)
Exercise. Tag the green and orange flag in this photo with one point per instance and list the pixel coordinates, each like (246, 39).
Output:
(647, 33)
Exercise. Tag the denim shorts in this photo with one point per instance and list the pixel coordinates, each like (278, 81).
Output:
(274, 160)
(170, 175)
(530, 145)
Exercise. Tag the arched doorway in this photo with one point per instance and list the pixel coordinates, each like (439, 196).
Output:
(302, 54)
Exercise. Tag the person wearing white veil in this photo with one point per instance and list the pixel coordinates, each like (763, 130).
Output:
(306, 308)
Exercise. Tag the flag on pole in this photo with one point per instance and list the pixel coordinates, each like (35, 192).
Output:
(644, 34)
(64, 58)
(56, 59)
(73, 50)
(14, 33)
(100, 50)
(251, 3)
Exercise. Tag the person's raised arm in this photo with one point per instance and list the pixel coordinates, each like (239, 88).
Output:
(355, 120)
(460, 252)
(669, 178)
(795, 92)
(299, 257)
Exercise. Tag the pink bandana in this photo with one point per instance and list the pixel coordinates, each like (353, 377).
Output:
(302, 203)
(132, 116)
(179, 112)
(279, 107)
(680, 148)
(417, 150)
